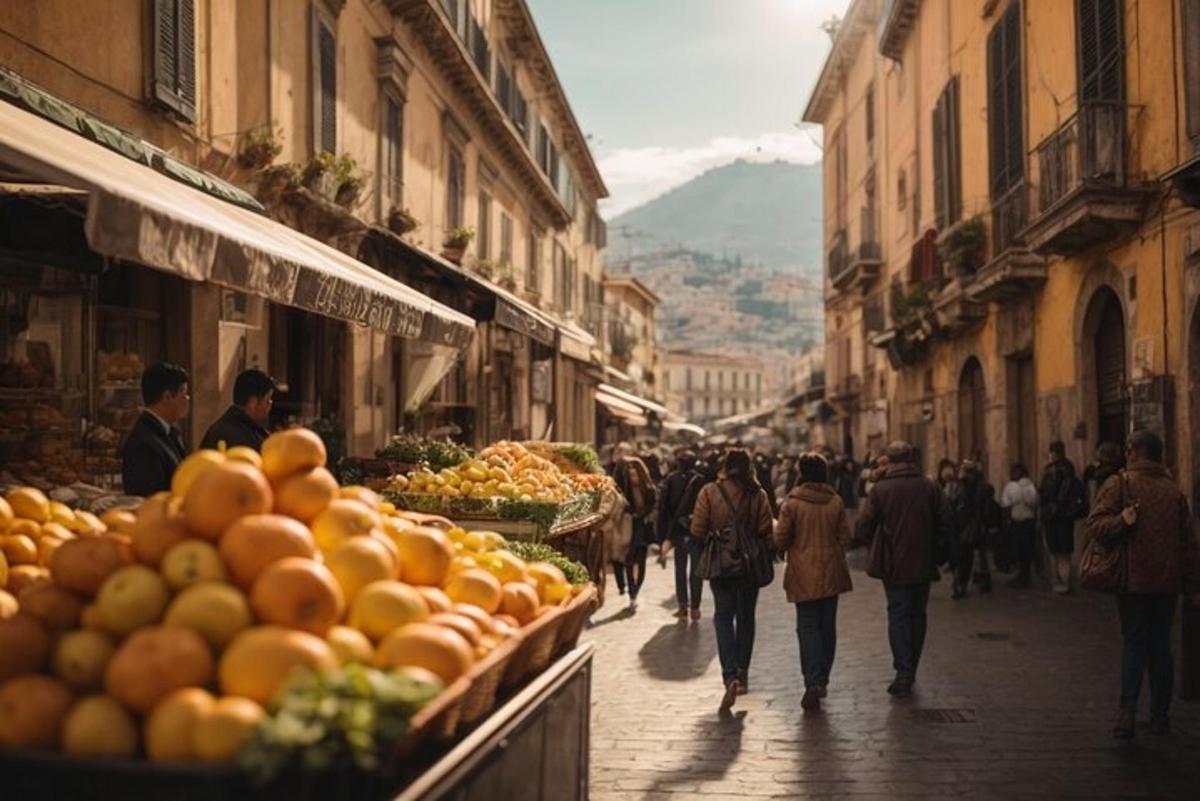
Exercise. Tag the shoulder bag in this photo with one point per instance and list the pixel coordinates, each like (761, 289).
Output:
(1104, 566)
(722, 555)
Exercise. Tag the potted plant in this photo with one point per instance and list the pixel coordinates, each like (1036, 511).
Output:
(909, 306)
(508, 277)
(962, 247)
(260, 146)
(486, 268)
(276, 180)
(401, 221)
(348, 179)
(455, 244)
(317, 170)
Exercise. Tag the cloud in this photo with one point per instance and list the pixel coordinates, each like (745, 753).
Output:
(636, 175)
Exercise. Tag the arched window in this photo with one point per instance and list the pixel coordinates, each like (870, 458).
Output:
(972, 399)
(1109, 355)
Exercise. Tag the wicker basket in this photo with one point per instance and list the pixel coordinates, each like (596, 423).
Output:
(575, 617)
(536, 649)
(438, 720)
(485, 677)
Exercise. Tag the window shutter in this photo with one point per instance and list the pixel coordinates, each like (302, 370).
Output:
(1100, 50)
(327, 66)
(1191, 55)
(953, 154)
(174, 61)
(186, 59)
(939, 162)
(1014, 136)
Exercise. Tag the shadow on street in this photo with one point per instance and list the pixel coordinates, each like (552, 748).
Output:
(679, 651)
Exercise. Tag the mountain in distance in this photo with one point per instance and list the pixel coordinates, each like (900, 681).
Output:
(765, 213)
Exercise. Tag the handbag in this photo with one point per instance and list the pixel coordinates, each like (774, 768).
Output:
(733, 551)
(1104, 566)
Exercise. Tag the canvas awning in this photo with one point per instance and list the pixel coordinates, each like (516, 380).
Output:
(141, 215)
(687, 428)
(638, 402)
(626, 412)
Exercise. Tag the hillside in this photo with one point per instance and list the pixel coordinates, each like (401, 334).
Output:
(754, 213)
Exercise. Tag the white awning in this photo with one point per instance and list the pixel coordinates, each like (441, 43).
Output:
(642, 404)
(138, 214)
(688, 428)
(624, 411)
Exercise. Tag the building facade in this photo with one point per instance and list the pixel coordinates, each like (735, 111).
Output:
(446, 110)
(1011, 226)
(702, 387)
(631, 336)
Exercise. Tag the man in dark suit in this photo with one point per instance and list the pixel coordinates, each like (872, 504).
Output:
(244, 423)
(154, 446)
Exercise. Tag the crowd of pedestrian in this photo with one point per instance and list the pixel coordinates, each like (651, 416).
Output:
(713, 509)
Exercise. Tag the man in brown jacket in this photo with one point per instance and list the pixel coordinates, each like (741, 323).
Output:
(905, 521)
(1143, 508)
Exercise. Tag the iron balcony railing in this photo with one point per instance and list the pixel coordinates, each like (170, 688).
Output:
(1010, 215)
(869, 248)
(838, 257)
(1086, 150)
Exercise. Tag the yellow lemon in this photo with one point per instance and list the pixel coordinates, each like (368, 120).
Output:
(29, 503)
(216, 611)
(192, 466)
(81, 656)
(349, 645)
(383, 605)
(191, 561)
(130, 598)
(97, 726)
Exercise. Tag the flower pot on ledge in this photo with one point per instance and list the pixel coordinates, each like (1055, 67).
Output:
(454, 252)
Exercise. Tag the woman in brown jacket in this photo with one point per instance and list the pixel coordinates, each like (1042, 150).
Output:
(814, 532)
(735, 492)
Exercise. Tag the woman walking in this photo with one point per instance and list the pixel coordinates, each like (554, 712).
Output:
(735, 499)
(813, 533)
(634, 482)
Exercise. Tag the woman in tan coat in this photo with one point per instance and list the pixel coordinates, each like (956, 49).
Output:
(813, 532)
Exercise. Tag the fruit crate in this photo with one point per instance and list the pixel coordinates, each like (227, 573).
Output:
(544, 515)
(536, 651)
(485, 677)
(575, 616)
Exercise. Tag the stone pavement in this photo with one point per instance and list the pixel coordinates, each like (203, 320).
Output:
(1015, 698)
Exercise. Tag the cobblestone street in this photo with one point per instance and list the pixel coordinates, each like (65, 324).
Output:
(1015, 698)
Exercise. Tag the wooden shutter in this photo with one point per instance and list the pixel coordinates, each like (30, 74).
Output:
(996, 152)
(326, 54)
(1100, 50)
(953, 154)
(1005, 132)
(939, 161)
(174, 61)
(1191, 59)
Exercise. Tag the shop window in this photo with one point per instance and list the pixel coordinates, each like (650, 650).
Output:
(483, 234)
(173, 79)
(456, 180)
(391, 153)
(324, 83)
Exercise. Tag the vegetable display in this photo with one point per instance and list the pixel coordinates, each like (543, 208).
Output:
(432, 454)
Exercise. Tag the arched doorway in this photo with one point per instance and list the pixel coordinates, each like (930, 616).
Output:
(1108, 354)
(972, 399)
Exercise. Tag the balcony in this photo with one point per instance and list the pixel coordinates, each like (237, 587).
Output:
(954, 310)
(1084, 193)
(859, 266)
(847, 387)
(1013, 271)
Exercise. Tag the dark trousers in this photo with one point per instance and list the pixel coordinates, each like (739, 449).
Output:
(1146, 648)
(816, 627)
(632, 572)
(735, 600)
(964, 561)
(619, 575)
(688, 583)
(1024, 537)
(906, 626)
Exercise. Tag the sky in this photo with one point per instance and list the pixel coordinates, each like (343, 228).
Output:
(666, 89)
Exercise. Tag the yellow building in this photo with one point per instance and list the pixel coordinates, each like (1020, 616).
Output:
(450, 111)
(702, 387)
(631, 339)
(1011, 226)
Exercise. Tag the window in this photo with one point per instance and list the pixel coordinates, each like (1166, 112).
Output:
(901, 190)
(506, 239)
(869, 104)
(324, 83)
(483, 233)
(562, 293)
(391, 149)
(533, 265)
(520, 112)
(456, 182)
(504, 87)
(1101, 50)
(477, 43)
(1006, 148)
(839, 177)
(1191, 60)
(173, 81)
(543, 148)
(689, 381)
(947, 152)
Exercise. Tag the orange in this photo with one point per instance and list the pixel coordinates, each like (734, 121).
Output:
(169, 727)
(32, 709)
(19, 549)
(254, 542)
(195, 464)
(6, 515)
(287, 452)
(552, 585)
(3, 570)
(242, 453)
(21, 576)
(120, 520)
(340, 521)
(81, 565)
(97, 726)
(191, 561)
(130, 598)
(383, 605)
(56, 530)
(58, 609)
(481, 618)
(46, 546)
(27, 528)
(504, 565)
(349, 645)
(213, 609)
(435, 599)
(29, 503)
(298, 593)
(363, 495)
(462, 624)
(260, 660)
(304, 495)
(425, 555)
(475, 586)
(357, 562)
(221, 495)
(155, 661)
(88, 525)
(81, 656)
(438, 649)
(159, 526)
(24, 645)
(223, 728)
(8, 605)
(520, 601)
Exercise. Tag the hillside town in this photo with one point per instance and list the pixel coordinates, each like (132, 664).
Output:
(391, 391)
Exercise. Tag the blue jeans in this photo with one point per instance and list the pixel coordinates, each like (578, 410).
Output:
(735, 600)
(688, 583)
(1146, 648)
(906, 626)
(816, 626)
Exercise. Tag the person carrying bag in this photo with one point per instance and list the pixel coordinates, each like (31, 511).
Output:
(733, 520)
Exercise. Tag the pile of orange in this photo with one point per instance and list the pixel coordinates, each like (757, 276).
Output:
(167, 632)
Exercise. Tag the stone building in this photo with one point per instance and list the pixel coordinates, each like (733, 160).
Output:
(633, 356)
(1011, 226)
(702, 387)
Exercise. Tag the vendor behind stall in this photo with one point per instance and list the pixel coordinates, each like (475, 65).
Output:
(154, 446)
(244, 423)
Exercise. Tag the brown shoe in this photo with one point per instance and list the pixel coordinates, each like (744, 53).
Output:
(811, 699)
(732, 690)
(1126, 723)
(695, 614)
(681, 613)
